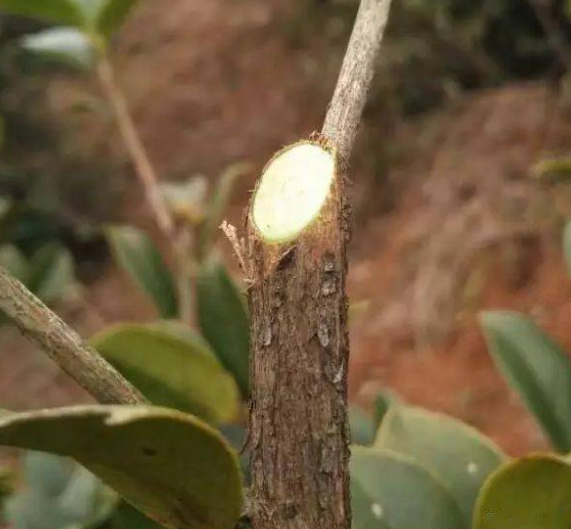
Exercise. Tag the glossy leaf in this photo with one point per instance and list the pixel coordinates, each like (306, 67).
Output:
(127, 517)
(170, 371)
(458, 455)
(402, 493)
(224, 320)
(15, 262)
(52, 273)
(67, 46)
(536, 367)
(140, 258)
(170, 465)
(529, 493)
(59, 493)
(63, 12)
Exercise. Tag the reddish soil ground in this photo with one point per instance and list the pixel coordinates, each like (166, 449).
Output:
(216, 82)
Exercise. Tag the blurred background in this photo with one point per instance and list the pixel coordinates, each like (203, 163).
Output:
(460, 181)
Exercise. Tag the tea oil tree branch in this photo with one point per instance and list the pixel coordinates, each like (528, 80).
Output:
(296, 264)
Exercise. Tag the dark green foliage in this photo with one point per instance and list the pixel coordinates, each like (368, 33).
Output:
(223, 320)
(537, 368)
(172, 466)
(140, 258)
(529, 493)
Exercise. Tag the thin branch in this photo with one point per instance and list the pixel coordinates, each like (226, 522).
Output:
(346, 108)
(135, 147)
(63, 345)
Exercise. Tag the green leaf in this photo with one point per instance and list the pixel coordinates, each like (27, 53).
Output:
(15, 262)
(63, 12)
(367, 514)
(172, 466)
(67, 46)
(384, 401)
(58, 494)
(362, 427)
(140, 258)
(103, 17)
(536, 367)
(52, 273)
(224, 321)
(454, 452)
(113, 15)
(529, 493)
(183, 332)
(401, 493)
(170, 371)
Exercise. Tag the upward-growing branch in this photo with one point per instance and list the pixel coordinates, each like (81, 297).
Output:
(297, 237)
(346, 107)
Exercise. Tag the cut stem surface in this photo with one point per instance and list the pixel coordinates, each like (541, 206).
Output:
(292, 191)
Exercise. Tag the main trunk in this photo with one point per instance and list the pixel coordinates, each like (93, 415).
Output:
(299, 436)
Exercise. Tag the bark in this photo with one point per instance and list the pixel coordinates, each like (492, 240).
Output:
(64, 346)
(299, 435)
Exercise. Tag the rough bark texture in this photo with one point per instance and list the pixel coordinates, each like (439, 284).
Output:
(298, 424)
(299, 436)
(64, 345)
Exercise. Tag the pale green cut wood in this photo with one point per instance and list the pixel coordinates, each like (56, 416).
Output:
(458, 455)
(405, 494)
(172, 466)
(529, 493)
(536, 367)
(171, 370)
(293, 189)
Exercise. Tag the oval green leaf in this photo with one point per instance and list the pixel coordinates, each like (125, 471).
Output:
(529, 493)
(536, 367)
(170, 371)
(458, 455)
(172, 466)
(59, 493)
(139, 257)
(403, 494)
(224, 321)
